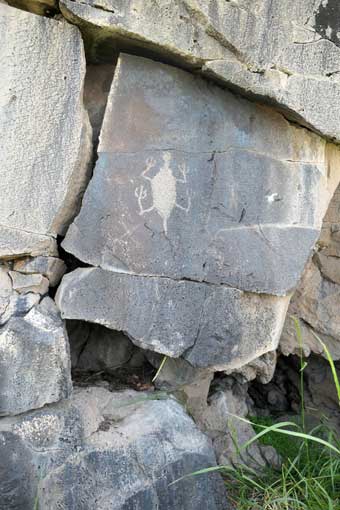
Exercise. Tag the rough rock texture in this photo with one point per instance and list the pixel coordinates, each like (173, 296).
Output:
(51, 267)
(11, 301)
(282, 395)
(24, 283)
(34, 360)
(261, 368)
(286, 53)
(44, 130)
(211, 208)
(218, 419)
(109, 451)
(209, 325)
(316, 301)
(241, 205)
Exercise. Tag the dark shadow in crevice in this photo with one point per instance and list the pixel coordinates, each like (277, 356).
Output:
(107, 358)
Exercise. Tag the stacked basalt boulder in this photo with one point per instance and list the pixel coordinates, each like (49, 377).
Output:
(168, 220)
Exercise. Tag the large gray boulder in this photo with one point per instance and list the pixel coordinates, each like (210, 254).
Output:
(195, 235)
(107, 451)
(45, 136)
(286, 53)
(209, 325)
(35, 367)
(218, 207)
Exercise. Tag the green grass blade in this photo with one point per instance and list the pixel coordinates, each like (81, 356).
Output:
(331, 363)
(292, 433)
(160, 368)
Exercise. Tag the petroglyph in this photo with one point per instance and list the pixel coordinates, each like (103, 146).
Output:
(163, 190)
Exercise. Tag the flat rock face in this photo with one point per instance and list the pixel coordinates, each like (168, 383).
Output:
(199, 184)
(209, 325)
(109, 451)
(286, 53)
(202, 208)
(34, 360)
(44, 130)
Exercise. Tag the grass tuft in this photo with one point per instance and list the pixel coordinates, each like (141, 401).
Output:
(309, 477)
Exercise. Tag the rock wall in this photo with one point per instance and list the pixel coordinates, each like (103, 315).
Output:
(166, 171)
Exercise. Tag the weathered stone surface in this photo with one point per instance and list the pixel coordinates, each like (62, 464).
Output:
(317, 299)
(34, 360)
(175, 372)
(286, 53)
(44, 130)
(15, 243)
(11, 302)
(109, 451)
(209, 325)
(219, 419)
(51, 267)
(261, 368)
(316, 304)
(25, 283)
(216, 208)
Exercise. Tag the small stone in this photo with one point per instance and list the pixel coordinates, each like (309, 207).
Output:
(25, 283)
(51, 267)
(261, 368)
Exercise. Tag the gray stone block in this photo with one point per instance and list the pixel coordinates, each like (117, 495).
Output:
(45, 135)
(109, 451)
(281, 52)
(209, 325)
(51, 267)
(240, 204)
(34, 361)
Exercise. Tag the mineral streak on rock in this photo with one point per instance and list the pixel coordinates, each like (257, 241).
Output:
(44, 131)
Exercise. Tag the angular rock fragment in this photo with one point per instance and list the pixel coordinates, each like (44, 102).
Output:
(228, 400)
(45, 135)
(25, 283)
(209, 325)
(34, 360)
(261, 369)
(51, 267)
(217, 207)
(107, 450)
(286, 53)
(11, 301)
